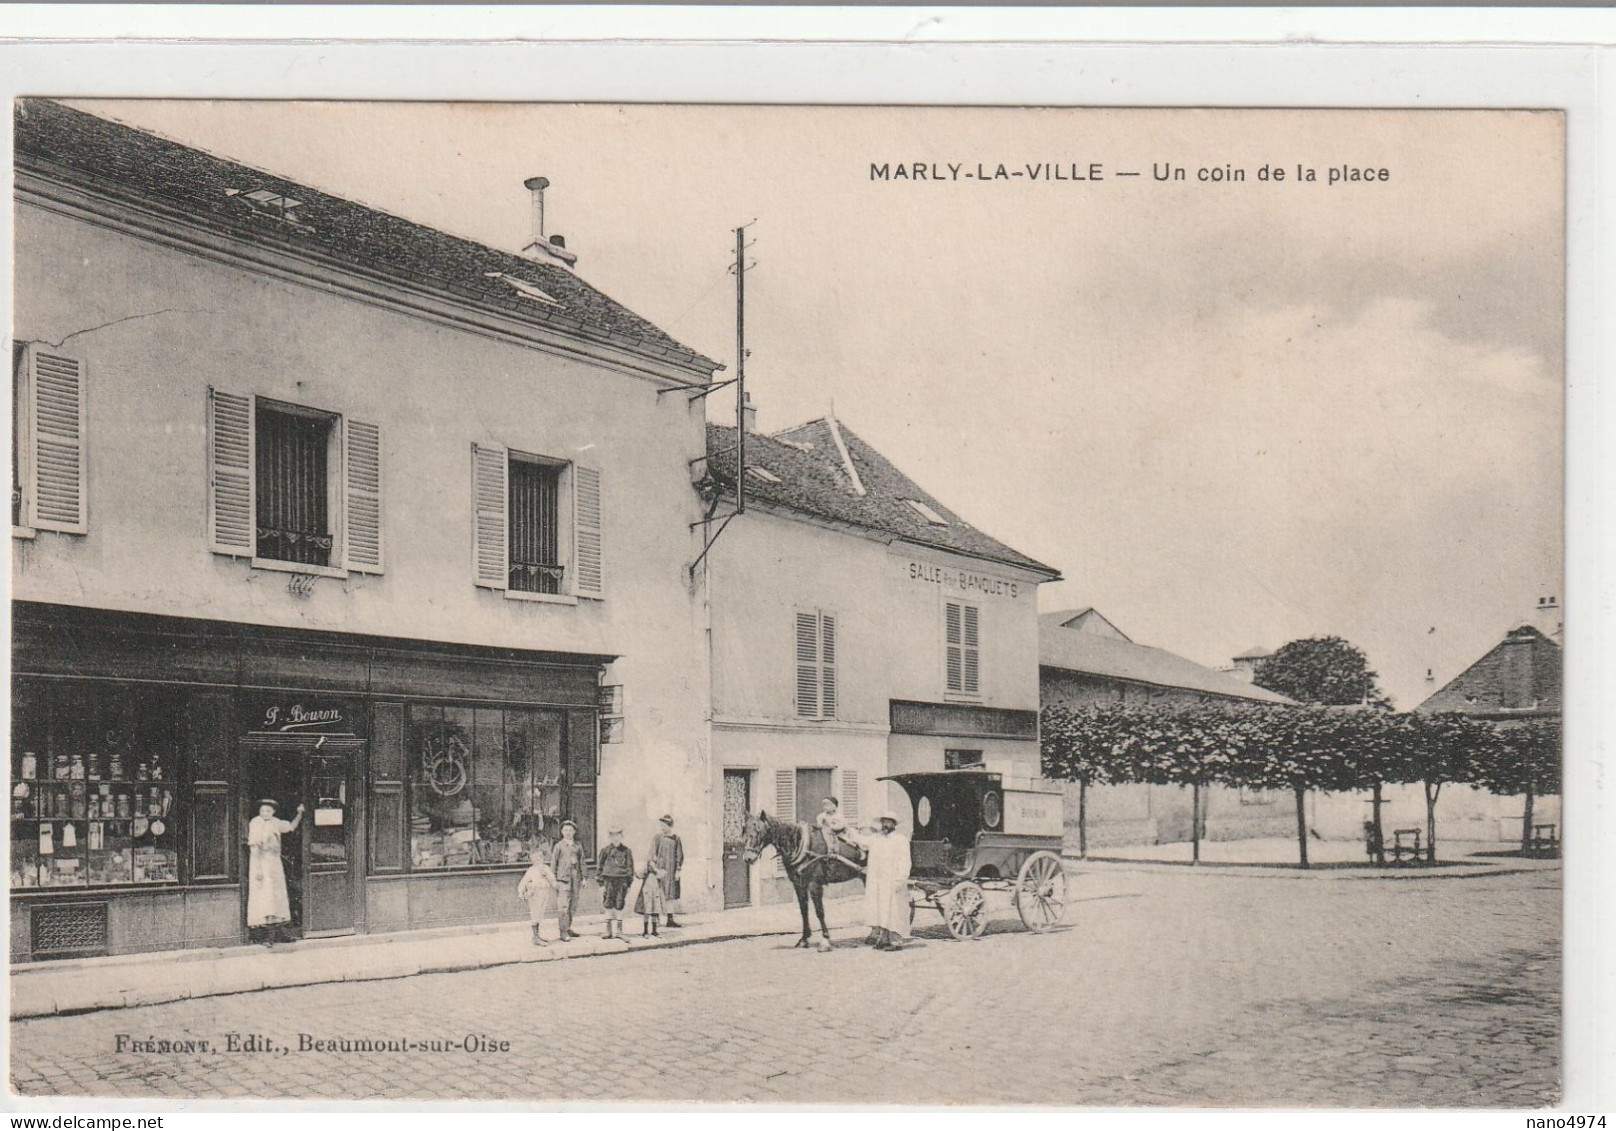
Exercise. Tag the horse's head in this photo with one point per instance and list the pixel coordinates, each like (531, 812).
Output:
(754, 835)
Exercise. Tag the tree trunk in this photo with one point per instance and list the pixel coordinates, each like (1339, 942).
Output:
(1526, 824)
(1301, 824)
(1380, 830)
(1432, 791)
(1083, 818)
(1195, 823)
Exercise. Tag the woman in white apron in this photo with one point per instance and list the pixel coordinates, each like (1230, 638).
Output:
(267, 905)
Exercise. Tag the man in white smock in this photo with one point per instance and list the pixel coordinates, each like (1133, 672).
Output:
(886, 882)
(268, 908)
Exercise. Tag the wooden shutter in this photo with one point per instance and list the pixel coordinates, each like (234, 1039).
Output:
(850, 796)
(386, 800)
(951, 646)
(56, 494)
(232, 521)
(588, 559)
(490, 484)
(785, 794)
(362, 487)
(807, 666)
(827, 666)
(970, 649)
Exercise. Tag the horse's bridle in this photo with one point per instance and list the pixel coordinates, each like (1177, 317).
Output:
(756, 839)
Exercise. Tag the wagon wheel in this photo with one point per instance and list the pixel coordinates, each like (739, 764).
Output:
(1041, 891)
(965, 911)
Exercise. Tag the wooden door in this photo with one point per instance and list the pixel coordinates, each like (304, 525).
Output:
(737, 804)
(328, 820)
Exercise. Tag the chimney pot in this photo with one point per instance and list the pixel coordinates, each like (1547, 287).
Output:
(542, 248)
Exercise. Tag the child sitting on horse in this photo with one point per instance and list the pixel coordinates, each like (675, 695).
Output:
(831, 824)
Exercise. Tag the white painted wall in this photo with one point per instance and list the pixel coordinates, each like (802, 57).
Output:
(155, 326)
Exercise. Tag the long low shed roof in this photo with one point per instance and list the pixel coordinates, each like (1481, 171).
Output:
(1087, 653)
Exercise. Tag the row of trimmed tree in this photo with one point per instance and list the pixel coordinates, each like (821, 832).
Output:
(1298, 749)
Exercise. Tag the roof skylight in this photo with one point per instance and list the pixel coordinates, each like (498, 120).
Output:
(926, 512)
(525, 288)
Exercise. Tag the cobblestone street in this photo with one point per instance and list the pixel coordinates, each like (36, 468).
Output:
(1167, 987)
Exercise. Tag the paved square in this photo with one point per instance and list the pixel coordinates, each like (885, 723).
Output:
(1167, 987)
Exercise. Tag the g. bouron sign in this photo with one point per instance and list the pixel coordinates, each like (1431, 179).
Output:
(965, 582)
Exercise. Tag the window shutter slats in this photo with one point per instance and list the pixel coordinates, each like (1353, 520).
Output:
(362, 532)
(58, 499)
(807, 666)
(232, 525)
(785, 794)
(827, 665)
(588, 552)
(490, 472)
(850, 796)
(971, 655)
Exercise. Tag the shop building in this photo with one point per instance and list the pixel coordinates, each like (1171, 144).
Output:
(859, 628)
(316, 503)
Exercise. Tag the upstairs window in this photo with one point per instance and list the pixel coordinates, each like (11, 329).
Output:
(537, 524)
(816, 665)
(48, 483)
(962, 648)
(535, 518)
(295, 448)
(294, 485)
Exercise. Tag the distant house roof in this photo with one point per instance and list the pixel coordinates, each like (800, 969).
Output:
(1255, 652)
(814, 479)
(1519, 677)
(119, 163)
(1087, 653)
(1088, 620)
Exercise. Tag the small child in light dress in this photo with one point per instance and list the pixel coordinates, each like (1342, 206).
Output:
(650, 902)
(537, 888)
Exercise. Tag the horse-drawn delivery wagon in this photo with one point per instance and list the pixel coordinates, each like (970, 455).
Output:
(973, 834)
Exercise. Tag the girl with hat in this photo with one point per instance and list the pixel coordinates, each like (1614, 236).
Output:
(669, 853)
(567, 861)
(268, 908)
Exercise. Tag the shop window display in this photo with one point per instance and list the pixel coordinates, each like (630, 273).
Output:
(488, 785)
(94, 773)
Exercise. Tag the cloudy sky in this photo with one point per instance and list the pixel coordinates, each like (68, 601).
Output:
(1230, 413)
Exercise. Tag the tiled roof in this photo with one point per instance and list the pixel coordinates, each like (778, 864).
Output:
(1089, 654)
(121, 163)
(1520, 676)
(812, 480)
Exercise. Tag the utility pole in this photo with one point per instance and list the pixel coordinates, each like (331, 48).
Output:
(740, 369)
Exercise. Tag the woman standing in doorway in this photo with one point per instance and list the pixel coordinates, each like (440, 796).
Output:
(268, 909)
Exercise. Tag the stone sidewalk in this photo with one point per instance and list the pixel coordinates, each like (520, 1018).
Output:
(65, 986)
(1328, 859)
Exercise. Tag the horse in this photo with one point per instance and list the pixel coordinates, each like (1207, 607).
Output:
(803, 853)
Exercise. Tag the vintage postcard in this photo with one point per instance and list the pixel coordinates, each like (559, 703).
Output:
(939, 605)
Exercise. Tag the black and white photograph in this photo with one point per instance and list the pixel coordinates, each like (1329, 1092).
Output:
(600, 603)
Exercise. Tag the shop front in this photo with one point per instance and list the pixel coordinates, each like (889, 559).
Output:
(142, 746)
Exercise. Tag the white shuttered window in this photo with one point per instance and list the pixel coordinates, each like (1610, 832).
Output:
(816, 665)
(263, 469)
(48, 402)
(517, 501)
(962, 647)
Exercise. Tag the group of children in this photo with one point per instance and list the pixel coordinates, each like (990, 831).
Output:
(556, 879)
